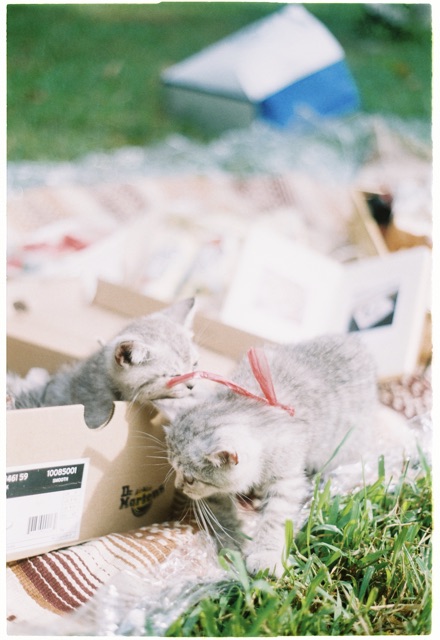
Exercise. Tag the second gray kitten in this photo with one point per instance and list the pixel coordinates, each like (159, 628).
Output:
(135, 366)
(232, 446)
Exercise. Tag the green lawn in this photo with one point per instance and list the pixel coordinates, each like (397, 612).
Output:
(361, 566)
(86, 77)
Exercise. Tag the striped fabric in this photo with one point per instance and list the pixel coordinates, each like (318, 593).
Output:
(43, 587)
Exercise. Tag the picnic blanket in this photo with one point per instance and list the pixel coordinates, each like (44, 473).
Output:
(199, 201)
(60, 225)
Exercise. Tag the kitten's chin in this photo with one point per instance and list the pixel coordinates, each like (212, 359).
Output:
(200, 495)
(177, 392)
(163, 393)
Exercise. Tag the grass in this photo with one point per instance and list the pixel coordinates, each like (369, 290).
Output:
(361, 566)
(85, 77)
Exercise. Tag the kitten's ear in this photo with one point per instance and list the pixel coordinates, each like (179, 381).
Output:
(182, 312)
(128, 352)
(223, 458)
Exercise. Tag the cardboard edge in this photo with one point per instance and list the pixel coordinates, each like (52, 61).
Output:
(208, 332)
(31, 355)
(119, 410)
(363, 229)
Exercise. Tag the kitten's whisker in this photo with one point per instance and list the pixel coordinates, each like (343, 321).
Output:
(200, 524)
(214, 526)
(153, 456)
(153, 453)
(150, 451)
(145, 434)
(187, 512)
(243, 497)
(157, 465)
(148, 441)
(168, 475)
(202, 520)
(135, 397)
(211, 523)
(216, 521)
(138, 436)
(202, 515)
(134, 400)
(132, 404)
(197, 515)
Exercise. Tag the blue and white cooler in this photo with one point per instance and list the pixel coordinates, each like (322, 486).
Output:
(283, 69)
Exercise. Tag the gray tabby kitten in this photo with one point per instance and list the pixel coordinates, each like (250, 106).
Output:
(134, 366)
(230, 445)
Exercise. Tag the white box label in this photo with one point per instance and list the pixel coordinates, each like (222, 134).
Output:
(44, 503)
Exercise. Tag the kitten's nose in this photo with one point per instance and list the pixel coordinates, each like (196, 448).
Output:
(189, 384)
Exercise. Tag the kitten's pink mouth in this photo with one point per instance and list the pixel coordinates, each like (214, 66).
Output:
(260, 369)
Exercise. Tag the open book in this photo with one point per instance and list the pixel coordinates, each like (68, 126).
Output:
(287, 292)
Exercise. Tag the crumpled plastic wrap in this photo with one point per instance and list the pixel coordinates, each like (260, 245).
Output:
(351, 477)
(364, 150)
(145, 603)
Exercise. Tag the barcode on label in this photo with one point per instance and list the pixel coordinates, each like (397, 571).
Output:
(42, 522)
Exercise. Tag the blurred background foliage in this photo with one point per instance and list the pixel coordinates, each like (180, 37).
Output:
(85, 77)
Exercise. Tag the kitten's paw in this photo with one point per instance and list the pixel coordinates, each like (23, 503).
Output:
(262, 560)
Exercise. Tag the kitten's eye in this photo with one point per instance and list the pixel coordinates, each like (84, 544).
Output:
(189, 479)
(195, 364)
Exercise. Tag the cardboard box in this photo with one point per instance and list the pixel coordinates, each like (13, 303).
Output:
(67, 483)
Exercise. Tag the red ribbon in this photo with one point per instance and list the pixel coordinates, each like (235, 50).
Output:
(260, 369)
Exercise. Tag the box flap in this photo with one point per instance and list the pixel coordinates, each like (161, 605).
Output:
(209, 333)
(57, 316)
